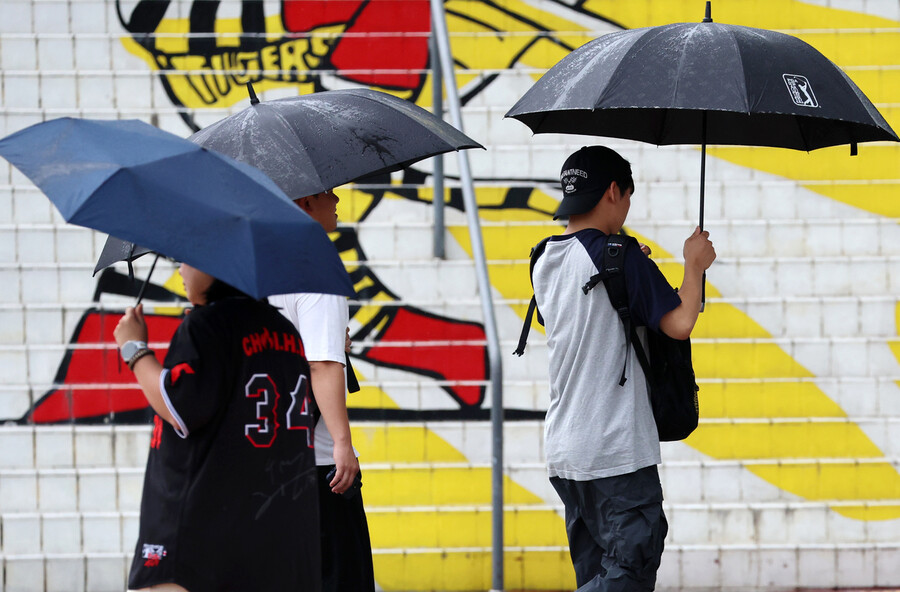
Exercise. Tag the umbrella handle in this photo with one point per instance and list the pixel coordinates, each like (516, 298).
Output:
(147, 280)
(352, 382)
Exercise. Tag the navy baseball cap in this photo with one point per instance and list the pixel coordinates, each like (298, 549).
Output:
(586, 175)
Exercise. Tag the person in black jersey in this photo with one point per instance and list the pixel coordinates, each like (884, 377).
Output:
(230, 498)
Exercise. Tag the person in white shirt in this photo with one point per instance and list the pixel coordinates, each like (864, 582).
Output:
(321, 320)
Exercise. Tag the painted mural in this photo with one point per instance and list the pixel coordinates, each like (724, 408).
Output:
(797, 353)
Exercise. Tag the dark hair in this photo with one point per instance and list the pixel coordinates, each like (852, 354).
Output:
(219, 290)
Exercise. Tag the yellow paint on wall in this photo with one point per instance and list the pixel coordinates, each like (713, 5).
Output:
(766, 14)
(758, 398)
(532, 569)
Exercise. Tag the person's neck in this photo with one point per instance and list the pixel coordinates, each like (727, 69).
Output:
(578, 223)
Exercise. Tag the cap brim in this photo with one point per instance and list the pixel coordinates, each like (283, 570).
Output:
(572, 205)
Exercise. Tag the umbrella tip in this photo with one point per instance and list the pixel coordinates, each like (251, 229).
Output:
(255, 100)
(708, 17)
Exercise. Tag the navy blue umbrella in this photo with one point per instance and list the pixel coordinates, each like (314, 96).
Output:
(167, 194)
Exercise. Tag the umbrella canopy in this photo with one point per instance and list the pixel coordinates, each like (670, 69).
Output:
(702, 83)
(149, 187)
(312, 143)
(115, 250)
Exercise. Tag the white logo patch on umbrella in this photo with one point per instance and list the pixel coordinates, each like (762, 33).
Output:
(800, 90)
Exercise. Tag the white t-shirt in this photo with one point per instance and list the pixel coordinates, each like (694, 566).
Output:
(594, 427)
(321, 320)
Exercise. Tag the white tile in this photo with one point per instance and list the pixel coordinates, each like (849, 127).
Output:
(97, 490)
(94, 446)
(701, 567)
(131, 445)
(57, 491)
(74, 246)
(823, 239)
(851, 358)
(42, 326)
(18, 491)
(689, 525)
(731, 526)
(778, 568)
(808, 524)
(130, 529)
(771, 524)
(816, 567)
(29, 204)
(39, 285)
(54, 447)
(876, 317)
(855, 567)
(58, 91)
(76, 284)
(51, 17)
(682, 484)
(27, 94)
(55, 59)
(102, 533)
(669, 574)
(14, 401)
(721, 483)
(106, 574)
(804, 319)
(92, 53)
(132, 89)
(10, 286)
(887, 558)
(61, 533)
(88, 17)
(21, 533)
(131, 485)
(787, 239)
(739, 567)
(16, 447)
(18, 54)
(8, 247)
(24, 574)
(840, 318)
(876, 274)
(793, 278)
(65, 574)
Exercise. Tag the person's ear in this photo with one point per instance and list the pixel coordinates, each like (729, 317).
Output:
(303, 203)
(611, 191)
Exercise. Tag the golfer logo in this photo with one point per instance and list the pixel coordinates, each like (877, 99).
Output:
(800, 90)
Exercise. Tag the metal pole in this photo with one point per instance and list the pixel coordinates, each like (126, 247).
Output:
(437, 107)
(442, 37)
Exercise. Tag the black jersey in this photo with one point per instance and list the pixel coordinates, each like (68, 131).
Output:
(230, 499)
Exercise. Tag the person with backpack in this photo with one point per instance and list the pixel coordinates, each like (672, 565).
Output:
(601, 439)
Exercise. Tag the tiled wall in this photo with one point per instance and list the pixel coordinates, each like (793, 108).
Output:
(793, 478)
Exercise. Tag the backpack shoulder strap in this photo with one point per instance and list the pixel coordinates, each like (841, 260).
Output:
(536, 251)
(612, 274)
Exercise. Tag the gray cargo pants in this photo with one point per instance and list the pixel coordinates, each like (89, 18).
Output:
(616, 529)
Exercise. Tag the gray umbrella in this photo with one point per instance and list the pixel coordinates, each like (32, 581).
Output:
(311, 143)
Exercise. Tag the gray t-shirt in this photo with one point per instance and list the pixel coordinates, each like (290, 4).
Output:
(594, 427)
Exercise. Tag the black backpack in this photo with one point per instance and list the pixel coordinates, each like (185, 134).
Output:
(669, 370)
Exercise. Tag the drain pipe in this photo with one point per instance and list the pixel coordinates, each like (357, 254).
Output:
(437, 107)
(442, 38)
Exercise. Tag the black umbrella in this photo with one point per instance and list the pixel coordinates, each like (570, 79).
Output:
(702, 83)
(312, 143)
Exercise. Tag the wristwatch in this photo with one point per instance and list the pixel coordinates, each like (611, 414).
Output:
(131, 349)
